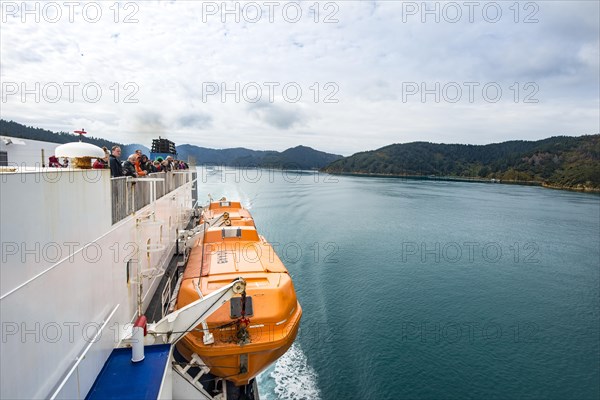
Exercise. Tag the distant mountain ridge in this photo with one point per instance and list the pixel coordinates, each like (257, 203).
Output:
(300, 157)
(561, 161)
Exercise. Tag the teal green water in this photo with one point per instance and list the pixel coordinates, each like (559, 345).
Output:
(430, 290)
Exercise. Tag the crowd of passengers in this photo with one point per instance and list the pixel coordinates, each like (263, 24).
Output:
(137, 164)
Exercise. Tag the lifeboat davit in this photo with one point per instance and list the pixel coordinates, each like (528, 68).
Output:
(248, 333)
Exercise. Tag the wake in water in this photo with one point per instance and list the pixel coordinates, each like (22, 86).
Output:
(290, 379)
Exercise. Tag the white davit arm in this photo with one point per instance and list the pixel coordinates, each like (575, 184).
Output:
(189, 237)
(175, 325)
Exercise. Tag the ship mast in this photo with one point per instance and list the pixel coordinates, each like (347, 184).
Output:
(81, 133)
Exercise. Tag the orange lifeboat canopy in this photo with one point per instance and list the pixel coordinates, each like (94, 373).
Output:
(242, 345)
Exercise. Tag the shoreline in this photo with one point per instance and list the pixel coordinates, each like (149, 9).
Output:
(583, 189)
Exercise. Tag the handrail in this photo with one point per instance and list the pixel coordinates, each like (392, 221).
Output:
(132, 194)
(82, 355)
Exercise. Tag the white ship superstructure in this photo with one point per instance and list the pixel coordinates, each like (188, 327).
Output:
(17, 152)
(77, 246)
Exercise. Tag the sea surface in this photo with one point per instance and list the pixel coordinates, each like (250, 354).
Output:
(427, 289)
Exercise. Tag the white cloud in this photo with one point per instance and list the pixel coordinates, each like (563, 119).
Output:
(166, 60)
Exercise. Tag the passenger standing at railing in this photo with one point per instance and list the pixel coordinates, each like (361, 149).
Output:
(116, 169)
(138, 167)
(167, 165)
(99, 164)
(129, 166)
(159, 164)
(102, 163)
(146, 165)
(53, 162)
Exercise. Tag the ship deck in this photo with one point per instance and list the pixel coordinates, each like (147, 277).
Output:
(121, 378)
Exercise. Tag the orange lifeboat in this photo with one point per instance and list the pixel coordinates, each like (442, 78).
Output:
(250, 332)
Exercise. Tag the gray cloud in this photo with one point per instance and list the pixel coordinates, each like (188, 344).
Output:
(149, 121)
(278, 116)
(196, 120)
(29, 55)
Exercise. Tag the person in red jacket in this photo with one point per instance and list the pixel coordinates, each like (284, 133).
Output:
(53, 162)
(102, 163)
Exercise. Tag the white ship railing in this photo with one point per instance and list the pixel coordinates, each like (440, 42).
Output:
(130, 195)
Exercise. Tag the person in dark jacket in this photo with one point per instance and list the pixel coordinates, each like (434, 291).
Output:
(129, 166)
(146, 165)
(116, 169)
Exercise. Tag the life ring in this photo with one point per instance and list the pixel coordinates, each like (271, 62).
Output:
(225, 215)
(228, 222)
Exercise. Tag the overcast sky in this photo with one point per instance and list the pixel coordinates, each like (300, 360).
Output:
(338, 76)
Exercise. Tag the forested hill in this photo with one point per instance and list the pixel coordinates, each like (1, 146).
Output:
(14, 129)
(562, 161)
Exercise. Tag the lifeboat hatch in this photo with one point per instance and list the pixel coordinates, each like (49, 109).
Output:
(236, 307)
(231, 232)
